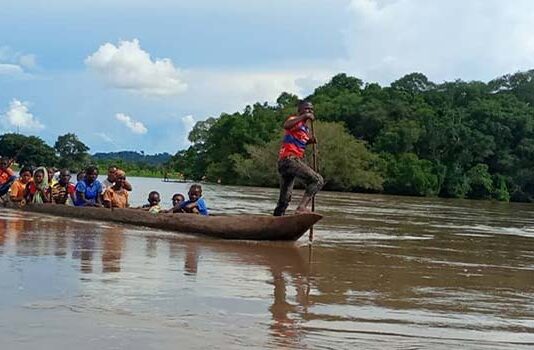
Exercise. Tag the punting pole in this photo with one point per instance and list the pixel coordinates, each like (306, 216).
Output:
(314, 167)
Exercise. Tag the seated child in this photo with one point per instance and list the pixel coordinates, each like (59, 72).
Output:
(16, 192)
(196, 203)
(116, 196)
(177, 199)
(38, 191)
(63, 190)
(51, 177)
(153, 206)
(80, 176)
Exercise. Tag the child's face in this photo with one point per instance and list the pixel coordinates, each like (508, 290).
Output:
(154, 199)
(3, 164)
(50, 174)
(177, 200)
(38, 177)
(119, 181)
(195, 194)
(64, 178)
(25, 177)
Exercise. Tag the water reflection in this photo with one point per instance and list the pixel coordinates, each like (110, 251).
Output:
(191, 259)
(289, 270)
(286, 264)
(112, 244)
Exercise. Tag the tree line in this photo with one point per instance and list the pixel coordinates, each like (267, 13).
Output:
(71, 153)
(415, 137)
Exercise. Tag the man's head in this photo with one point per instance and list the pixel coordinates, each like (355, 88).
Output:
(195, 192)
(154, 198)
(64, 176)
(177, 198)
(305, 107)
(25, 174)
(111, 173)
(91, 173)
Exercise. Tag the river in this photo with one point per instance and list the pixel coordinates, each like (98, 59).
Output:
(383, 272)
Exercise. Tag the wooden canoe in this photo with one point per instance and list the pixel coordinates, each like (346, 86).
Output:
(245, 227)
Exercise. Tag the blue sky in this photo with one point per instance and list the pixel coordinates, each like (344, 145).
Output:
(137, 74)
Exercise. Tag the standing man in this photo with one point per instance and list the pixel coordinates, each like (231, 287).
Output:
(291, 163)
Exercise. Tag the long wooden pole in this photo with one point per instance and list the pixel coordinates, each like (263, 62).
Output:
(314, 166)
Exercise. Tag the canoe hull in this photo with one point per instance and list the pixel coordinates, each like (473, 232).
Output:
(244, 227)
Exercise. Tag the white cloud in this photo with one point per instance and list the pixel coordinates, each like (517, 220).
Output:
(476, 39)
(127, 66)
(135, 126)
(18, 115)
(108, 140)
(105, 137)
(188, 122)
(15, 63)
(232, 90)
(28, 61)
(10, 69)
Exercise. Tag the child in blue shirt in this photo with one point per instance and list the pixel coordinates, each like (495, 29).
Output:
(196, 203)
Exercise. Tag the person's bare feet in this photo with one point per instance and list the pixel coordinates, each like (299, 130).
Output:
(302, 210)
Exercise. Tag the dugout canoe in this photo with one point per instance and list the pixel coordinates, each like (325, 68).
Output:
(243, 227)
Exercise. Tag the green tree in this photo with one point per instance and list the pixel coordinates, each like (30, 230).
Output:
(72, 152)
(501, 192)
(345, 162)
(200, 131)
(258, 166)
(413, 83)
(28, 150)
(339, 84)
(407, 174)
(520, 84)
(400, 137)
(480, 182)
(190, 162)
(456, 183)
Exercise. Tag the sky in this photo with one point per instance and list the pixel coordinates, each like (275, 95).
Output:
(137, 74)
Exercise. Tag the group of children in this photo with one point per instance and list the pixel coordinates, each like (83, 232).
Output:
(42, 186)
(195, 204)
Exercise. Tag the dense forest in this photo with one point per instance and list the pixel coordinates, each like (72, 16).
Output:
(415, 137)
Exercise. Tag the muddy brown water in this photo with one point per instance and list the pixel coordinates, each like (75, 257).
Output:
(383, 273)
